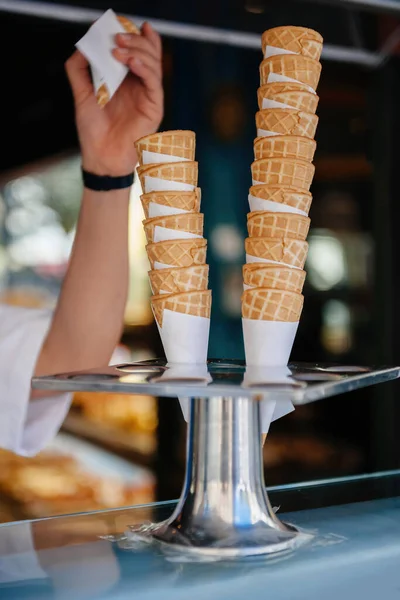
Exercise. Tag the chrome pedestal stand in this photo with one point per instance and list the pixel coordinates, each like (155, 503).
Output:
(224, 511)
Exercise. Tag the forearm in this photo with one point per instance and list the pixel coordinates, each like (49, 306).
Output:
(88, 320)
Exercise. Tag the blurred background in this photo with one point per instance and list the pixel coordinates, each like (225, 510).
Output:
(117, 450)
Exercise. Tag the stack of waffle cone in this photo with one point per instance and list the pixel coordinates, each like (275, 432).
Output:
(280, 198)
(176, 248)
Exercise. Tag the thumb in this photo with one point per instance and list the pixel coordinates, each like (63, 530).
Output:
(79, 78)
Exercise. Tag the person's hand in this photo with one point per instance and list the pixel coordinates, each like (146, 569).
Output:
(107, 135)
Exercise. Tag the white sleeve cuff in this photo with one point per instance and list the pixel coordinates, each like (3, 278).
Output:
(26, 426)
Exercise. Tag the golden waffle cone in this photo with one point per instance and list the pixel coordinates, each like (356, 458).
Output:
(277, 225)
(180, 143)
(196, 303)
(191, 222)
(188, 201)
(265, 304)
(295, 95)
(301, 68)
(285, 121)
(128, 25)
(283, 171)
(290, 252)
(183, 279)
(102, 94)
(296, 198)
(284, 146)
(274, 277)
(295, 39)
(178, 253)
(184, 172)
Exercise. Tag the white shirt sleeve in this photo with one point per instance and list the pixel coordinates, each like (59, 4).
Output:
(26, 427)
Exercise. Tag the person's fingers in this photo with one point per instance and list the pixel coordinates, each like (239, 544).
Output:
(149, 33)
(132, 41)
(126, 56)
(150, 78)
(78, 76)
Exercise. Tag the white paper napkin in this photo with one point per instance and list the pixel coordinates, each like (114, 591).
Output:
(97, 45)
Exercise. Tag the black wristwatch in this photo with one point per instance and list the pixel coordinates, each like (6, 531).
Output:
(106, 183)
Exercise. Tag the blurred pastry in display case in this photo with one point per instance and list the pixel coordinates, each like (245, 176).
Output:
(131, 413)
(70, 476)
(309, 453)
(120, 420)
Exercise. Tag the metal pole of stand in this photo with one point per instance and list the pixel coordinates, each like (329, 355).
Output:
(224, 509)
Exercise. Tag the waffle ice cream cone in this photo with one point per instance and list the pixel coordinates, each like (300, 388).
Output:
(290, 67)
(287, 252)
(298, 40)
(128, 25)
(284, 146)
(277, 225)
(196, 303)
(180, 176)
(177, 253)
(265, 304)
(287, 95)
(283, 171)
(178, 144)
(102, 94)
(183, 279)
(170, 202)
(186, 222)
(285, 121)
(291, 197)
(273, 276)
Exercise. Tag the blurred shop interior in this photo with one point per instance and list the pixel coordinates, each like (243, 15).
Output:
(118, 450)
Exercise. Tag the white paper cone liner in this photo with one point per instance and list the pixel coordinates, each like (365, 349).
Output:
(184, 337)
(255, 182)
(279, 410)
(273, 51)
(268, 103)
(282, 408)
(160, 210)
(97, 78)
(97, 45)
(266, 133)
(163, 292)
(195, 372)
(159, 265)
(150, 158)
(257, 204)
(185, 408)
(156, 184)
(162, 234)
(268, 343)
(247, 287)
(261, 375)
(279, 78)
(257, 259)
(267, 414)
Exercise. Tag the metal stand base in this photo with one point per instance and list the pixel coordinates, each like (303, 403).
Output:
(224, 511)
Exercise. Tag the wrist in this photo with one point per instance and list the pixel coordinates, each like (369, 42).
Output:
(107, 167)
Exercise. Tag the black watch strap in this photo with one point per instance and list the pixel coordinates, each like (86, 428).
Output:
(106, 183)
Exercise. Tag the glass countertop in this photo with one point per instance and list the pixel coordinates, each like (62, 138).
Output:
(355, 552)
